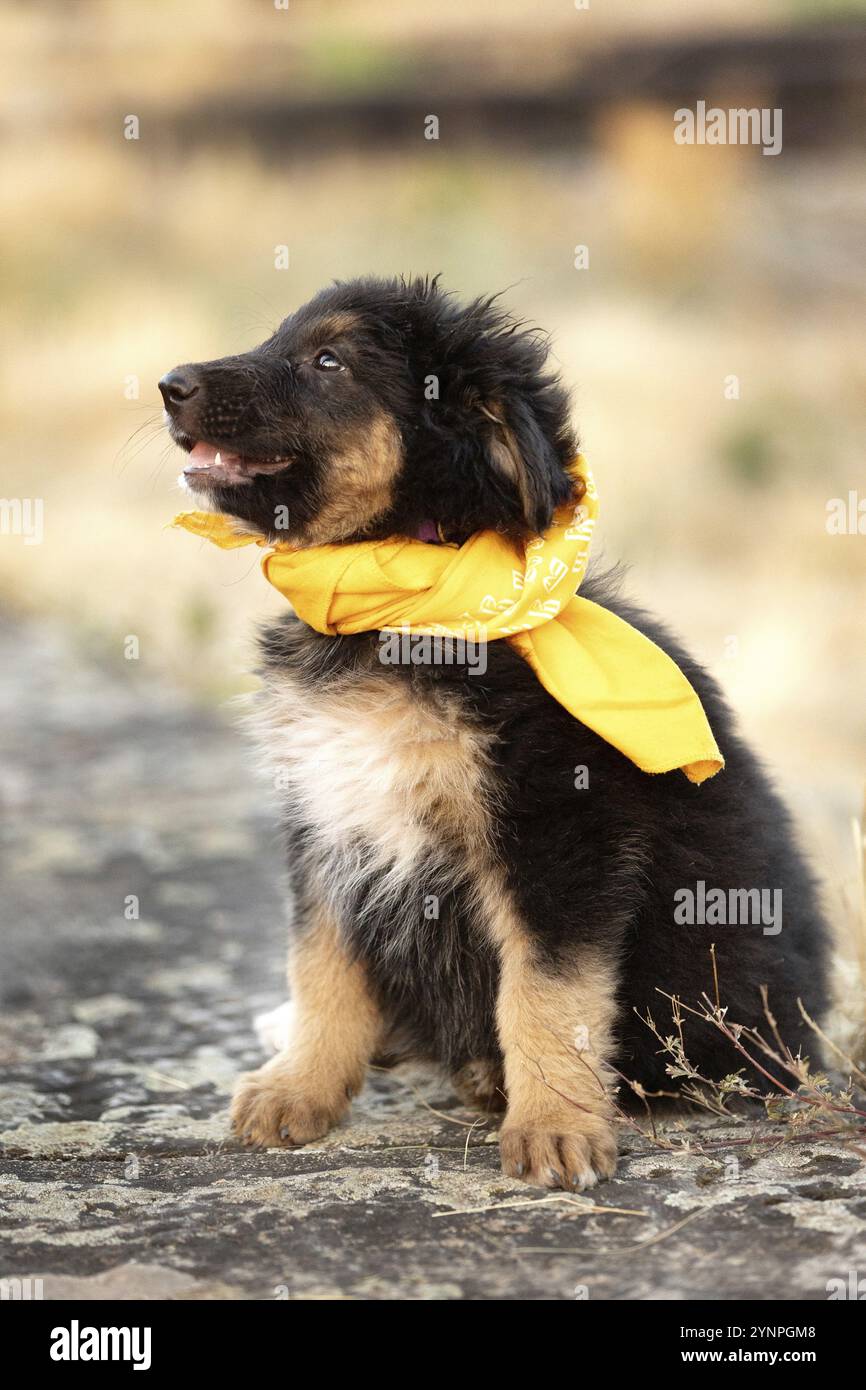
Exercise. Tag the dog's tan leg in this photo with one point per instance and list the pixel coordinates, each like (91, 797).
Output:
(481, 1085)
(555, 1026)
(302, 1092)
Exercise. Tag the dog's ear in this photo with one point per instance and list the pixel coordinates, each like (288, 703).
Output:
(510, 415)
(520, 454)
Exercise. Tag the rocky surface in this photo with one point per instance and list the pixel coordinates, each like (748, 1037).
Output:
(143, 928)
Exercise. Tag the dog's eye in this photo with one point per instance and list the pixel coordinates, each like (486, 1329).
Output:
(327, 362)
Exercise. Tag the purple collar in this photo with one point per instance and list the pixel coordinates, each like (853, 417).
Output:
(428, 532)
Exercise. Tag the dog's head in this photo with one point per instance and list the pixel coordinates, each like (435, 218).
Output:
(377, 409)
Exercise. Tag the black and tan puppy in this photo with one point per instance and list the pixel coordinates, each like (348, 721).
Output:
(380, 409)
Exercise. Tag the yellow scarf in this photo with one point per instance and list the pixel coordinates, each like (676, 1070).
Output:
(601, 669)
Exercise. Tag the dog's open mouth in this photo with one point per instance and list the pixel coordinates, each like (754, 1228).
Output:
(209, 466)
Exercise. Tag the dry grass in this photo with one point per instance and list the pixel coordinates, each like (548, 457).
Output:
(802, 1102)
(847, 1023)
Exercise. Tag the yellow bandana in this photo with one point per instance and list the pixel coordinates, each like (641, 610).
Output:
(601, 669)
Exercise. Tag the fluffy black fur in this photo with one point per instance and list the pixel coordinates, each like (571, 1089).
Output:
(599, 865)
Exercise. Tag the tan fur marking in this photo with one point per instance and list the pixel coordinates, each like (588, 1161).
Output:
(481, 1085)
(507, 457)
(555, 1033)
(336, 1027)
(360, 484)
(336, 325)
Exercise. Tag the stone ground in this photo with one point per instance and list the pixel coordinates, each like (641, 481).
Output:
(121, 1035)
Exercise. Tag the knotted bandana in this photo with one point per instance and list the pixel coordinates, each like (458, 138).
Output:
(600, 668)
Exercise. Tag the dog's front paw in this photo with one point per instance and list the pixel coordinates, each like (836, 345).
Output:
(275, 1107)
(553, 1155)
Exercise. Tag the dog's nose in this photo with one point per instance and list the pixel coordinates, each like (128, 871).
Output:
(177, 386)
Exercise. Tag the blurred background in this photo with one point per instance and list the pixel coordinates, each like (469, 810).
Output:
(713, 341)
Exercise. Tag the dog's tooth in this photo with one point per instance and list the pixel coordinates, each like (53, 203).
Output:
(217, 458)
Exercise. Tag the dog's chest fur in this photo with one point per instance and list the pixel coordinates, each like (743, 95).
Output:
(387, 790)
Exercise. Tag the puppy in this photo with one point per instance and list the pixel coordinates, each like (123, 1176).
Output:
(462, 893)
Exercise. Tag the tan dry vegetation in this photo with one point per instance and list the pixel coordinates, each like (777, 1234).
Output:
(119, 260)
